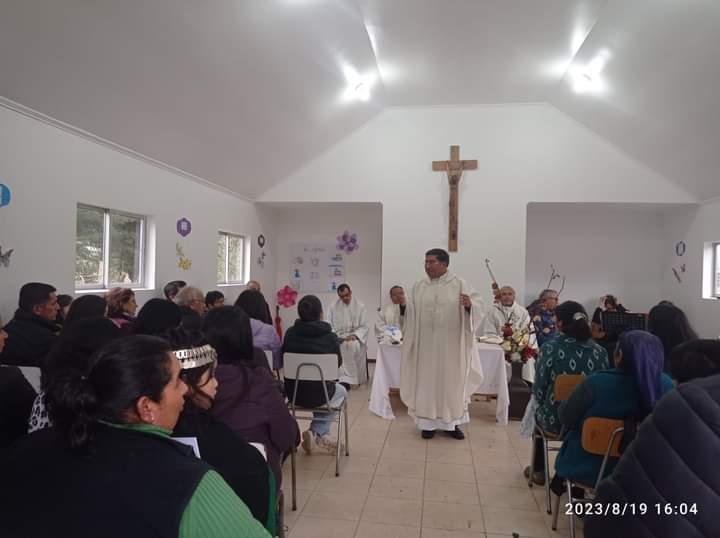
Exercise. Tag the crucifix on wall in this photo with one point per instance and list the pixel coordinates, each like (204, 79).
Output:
(454, 168)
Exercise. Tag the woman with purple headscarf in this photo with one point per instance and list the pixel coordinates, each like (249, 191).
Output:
(627, 392)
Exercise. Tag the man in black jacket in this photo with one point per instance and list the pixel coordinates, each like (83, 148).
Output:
(312, 335)
(667, 483)
(32, 332)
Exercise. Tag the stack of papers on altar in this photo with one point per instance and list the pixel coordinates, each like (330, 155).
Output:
(490, 339)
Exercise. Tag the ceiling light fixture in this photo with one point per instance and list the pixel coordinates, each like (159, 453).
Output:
(358, 86)
(587, 79)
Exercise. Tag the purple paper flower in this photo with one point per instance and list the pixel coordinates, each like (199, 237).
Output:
(184, 227)
(348, 242)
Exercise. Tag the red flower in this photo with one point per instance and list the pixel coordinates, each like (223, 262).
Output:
(528, 353)
(507, 331)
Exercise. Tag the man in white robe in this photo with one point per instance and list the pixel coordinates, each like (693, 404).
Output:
(392, 315)
(348, 320)
(508, 313)
(438, 374)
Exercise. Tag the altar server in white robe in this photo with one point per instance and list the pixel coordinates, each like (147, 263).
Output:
(349, 321)
(439, 369)
(392, 314)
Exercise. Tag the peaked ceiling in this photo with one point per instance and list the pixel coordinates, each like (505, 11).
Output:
(243, 92)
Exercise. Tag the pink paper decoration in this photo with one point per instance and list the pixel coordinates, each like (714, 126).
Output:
(286, 296)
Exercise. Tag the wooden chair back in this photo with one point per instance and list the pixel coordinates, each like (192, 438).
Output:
(597, 433)
(565, 384)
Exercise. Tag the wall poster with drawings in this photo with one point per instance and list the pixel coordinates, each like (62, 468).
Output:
(316, 267)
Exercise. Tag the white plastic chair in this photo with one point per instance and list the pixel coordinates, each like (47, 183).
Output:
(309, 367)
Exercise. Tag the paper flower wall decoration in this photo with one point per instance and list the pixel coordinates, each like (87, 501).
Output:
(286, 296)
(184, 263)
(348, 242)
(184, 227)
(4, 195)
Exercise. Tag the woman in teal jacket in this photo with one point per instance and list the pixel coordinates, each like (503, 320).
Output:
(627, 392)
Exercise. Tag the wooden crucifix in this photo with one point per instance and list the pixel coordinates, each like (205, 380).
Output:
(454, 168)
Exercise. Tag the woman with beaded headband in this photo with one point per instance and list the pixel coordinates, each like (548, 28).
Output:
(239, 463)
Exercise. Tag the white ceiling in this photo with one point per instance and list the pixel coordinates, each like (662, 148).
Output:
(243, 92)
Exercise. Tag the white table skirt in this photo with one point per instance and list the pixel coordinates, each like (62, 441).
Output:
(488, 362)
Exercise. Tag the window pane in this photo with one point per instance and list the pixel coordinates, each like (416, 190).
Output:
(221, 276)
(125, 249)
(716, 269)
(235, 258)
(89, 247)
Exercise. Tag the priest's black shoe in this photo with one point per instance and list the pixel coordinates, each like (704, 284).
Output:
(457, 433)
(428, 434)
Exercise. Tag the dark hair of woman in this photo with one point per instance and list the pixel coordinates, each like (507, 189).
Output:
(118, 375)
(670, 325)
(694, 359)
(157, 316)
(184, 339)
(253, 304)
(116, 298)
(227, 329)
(75, 345)
(310, 308)
(574, 320)
(85, 307)
(64, 300)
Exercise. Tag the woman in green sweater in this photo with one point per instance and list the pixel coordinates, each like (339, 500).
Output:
(109, 467)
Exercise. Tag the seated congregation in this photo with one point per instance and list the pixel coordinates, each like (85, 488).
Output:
(179, 404)
(183, 403)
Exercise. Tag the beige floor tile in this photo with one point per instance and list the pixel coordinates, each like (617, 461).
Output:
(501, 475)
(437, 454)
(495, 457)
(415, 453)
(491, 444)
(368, 529)
(366, 450)
(451, 492)
(351, 483)
(450, 472)
(392, 511)
(316, 527)
(317, 461)
(452, 516)
(354, 464)
(334, 506)
(503, 497)
(441, 533)
(408, 469)
(523, 522)
(369, 436)
(370, 421)
(306, 479)
(302, 498)
(397, 487)
(443, 440)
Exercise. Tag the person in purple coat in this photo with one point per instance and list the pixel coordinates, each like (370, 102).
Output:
(248, 399)
(264, 336)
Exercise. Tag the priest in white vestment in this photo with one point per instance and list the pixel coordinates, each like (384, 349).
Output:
(349, 321)
(392, 315)
(508, 319)
(440, 370)
(505, 313)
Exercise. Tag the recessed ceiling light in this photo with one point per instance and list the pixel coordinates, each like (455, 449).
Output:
(582, 82)
(358, 86)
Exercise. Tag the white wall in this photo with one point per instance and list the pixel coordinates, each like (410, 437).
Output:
(308, 223)
(694, 226)
(601, 248)
(50, 170)
(526, 153)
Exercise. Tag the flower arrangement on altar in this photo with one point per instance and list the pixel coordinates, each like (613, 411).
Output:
(516, 345)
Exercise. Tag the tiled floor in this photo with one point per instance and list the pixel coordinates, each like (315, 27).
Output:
(396, 485)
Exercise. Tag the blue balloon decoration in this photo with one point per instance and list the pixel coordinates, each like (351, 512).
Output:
(4, 195)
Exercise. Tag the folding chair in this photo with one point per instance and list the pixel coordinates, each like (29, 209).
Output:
(564, 385)
(602, 437)
(269, 357)
(308, 367)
